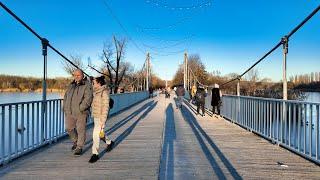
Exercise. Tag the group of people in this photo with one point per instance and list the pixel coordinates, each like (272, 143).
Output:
(82, 97)
(198, 96)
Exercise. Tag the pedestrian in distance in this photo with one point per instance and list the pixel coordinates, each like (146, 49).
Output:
(150, 92)
(216, 99)
(193, 93)
(200, 99)
(180, 91)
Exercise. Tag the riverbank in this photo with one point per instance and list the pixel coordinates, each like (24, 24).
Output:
(311, 87)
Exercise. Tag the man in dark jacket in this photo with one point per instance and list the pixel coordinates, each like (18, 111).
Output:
(77, 102)
(216, 99)
(200, 99)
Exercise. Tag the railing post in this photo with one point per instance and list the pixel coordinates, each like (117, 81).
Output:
(285, 52)
(284, 41)
(238, 87)
(185, 70)
(45, 44)
(238, 100)
(148, 71)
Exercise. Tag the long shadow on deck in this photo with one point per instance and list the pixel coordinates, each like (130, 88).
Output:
(167, 159)
(146, 107)
(128, 131)
(198, 131)
(120, 123)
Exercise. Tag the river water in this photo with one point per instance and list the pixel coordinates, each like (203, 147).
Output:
(23, 97)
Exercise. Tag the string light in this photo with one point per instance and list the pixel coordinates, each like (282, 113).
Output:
(157, 3)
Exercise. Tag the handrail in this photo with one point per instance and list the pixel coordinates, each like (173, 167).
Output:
(293, 125)
(272, 99)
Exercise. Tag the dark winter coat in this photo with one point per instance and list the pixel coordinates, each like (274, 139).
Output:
(78, 98)
(215, 97)
(200, 96)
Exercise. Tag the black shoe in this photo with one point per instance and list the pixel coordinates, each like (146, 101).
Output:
(77, 151)
(74, 146)
(110, 146)
(94, 158)
(103, 139)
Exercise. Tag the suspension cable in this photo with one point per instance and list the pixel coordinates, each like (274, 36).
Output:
(108, 7)
(276, 46)
(38, 36)
(53, 48)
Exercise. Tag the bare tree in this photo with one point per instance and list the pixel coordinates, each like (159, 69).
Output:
(77, 60)
(196, 66)
(113, 59)
(252, 77)
(178, 77)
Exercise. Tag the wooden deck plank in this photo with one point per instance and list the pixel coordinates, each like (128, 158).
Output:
(136, 155)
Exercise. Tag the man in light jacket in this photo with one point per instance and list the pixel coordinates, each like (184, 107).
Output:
(76, 106)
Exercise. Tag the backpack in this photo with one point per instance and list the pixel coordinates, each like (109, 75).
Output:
(111, 102)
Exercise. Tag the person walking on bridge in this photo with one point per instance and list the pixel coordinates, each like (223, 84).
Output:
(180, 94)
(150, 92)
(216, 99)
(100, 111)
(77, 102)
(200, 99)
(193, 93)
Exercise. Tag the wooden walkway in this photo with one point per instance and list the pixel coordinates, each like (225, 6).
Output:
(155, 140)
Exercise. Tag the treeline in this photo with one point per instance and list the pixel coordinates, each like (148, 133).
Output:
(20, 84)
(251, 84)
(8, 82)
(306, 78)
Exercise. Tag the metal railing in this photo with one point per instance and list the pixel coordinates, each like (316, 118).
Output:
(22, 129)
(291, 124)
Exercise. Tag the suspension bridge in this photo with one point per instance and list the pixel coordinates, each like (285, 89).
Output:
(254, 138)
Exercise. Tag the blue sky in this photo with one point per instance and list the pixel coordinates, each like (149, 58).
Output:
(229, 35)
